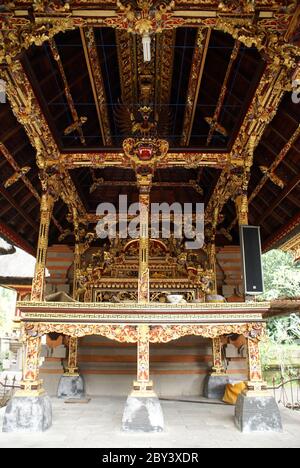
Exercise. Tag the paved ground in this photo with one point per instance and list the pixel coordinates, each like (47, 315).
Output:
(188, 424)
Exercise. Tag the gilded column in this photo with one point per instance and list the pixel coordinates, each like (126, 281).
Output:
(218, 368)
(212, 263)
(255, 378)
(77, 266)
(72, 369)
(143, 282)
(38, 283)
(143, 382)
(241, 203)
(31, 385)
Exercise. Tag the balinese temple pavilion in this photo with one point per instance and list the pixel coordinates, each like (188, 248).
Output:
(186, 102)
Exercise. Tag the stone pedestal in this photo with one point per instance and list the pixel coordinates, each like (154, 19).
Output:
(28, 414)
(143, 414)
(71, 386)
(214, 386)
(257, 413)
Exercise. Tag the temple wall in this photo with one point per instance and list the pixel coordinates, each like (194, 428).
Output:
(59, 260)
(229, 272)
(177, 368)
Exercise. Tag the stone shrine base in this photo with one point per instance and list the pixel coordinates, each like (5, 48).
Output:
(214, 386)
(257, 413)
(28, 414)
(143, 414)
(71, 386)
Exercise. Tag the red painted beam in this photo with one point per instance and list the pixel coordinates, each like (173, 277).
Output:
(16, 239)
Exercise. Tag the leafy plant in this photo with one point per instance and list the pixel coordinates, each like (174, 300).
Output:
(281, 276)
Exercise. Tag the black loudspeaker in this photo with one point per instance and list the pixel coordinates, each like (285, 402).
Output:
(251, 257)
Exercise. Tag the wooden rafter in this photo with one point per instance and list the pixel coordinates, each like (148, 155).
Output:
(279, 158)
(285, 193)
(196, 74)
(97, 84)
(263, 107)
(215, 119)
(5, 194)
(284, 231)
(76, 119)
(29, 113)
(10, 159)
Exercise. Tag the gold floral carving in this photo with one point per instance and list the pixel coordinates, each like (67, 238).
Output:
(147, 18)
(72, 368)
(254, 361)
(30, 376)
(143, 354)
(218, 367)
(121, 333)
(157, 333)
(37, 290)
(166, 333)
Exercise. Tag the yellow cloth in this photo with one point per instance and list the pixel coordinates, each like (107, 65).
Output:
(232, 392)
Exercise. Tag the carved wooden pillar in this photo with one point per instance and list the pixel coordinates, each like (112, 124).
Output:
(218, 368)
(72, 368)
(77, 266)
(143, 282)
(212, 263)
(241, 203)
(143, 382)
(38, 283)
(31, 383)
(255, 377)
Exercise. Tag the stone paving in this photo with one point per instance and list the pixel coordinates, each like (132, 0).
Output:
(187, 424)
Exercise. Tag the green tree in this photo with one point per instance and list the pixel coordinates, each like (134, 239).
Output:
(281, 275)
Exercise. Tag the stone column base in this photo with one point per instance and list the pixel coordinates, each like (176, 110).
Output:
(214, 386)
(28, 414)
(71, 386)
(257, 413)
(143, 413)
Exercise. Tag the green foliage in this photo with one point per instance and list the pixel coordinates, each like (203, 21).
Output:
(281, 276)
(279, 361)
(284, 330)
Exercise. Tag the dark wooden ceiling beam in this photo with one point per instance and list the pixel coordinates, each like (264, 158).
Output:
(195, 80)
(27, 182)
(211, 78)
(29, 206)
(282, 232)
(10, 133)
(215, 118)
(284, 162)
(41, 99)
(67, 91)
(17, 207)
(97, 83)
(278, 159)
(285, 192)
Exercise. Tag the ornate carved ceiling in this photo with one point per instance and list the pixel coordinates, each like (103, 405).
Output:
(219, 84)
